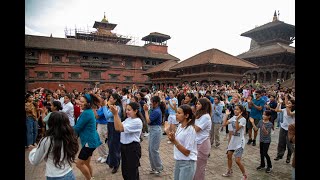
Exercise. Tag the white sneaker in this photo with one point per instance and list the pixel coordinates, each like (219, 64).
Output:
(99, 159)
(103, 160)
(169, 142)
(146, 134)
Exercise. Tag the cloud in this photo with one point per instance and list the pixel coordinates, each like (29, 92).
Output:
(30, 31)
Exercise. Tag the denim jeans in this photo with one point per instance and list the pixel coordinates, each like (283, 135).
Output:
(32, 130)
(155, 134)
(184, 170)
(293, 173)
(68, 176)
(279, 118)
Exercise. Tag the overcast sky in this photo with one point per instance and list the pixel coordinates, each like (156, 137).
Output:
(194, 26)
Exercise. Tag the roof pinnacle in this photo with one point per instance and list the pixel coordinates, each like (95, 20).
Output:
(275, 18)
(104, 18)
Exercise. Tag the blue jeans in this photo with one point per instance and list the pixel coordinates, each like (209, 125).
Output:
(279, 118)
(68, 176)
(155, 134)
(32, 130)
(293, 173)
(184, 170)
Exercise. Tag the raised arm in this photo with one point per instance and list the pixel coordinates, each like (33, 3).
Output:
(117, 122)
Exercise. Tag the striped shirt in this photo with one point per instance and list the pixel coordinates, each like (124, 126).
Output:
(265, 138)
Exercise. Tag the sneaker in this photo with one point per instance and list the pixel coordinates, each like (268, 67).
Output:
(228, 173)
(217, 145)
(169, 142)
(99, 159)
(244, 177)
(146, 134)
(158, 173)
(288, 161)
(92, 178)
(268, 170)
(152, 171)
(103, 160)
(277, 158)
(164, 133)
(260, 167)
(249, 141)
(254, 142)
(114, 170)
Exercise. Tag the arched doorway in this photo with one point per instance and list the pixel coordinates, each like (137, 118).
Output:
(288, 75)
(274, 76)
(268, 76)
(254, 77)
(261, 77)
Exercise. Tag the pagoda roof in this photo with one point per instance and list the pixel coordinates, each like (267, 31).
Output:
(271, 25)
(267, 50)
(104, 25)
(214, 56)
(155, 35)
(78, 45)
(163, 67)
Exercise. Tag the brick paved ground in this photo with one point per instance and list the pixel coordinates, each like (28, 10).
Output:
(217, 164)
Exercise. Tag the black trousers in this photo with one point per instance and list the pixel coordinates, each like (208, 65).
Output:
(264, 147)
(130, 157)
(113, 159)
(283, 144)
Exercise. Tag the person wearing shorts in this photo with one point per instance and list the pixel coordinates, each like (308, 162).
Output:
(237, 141)
(89, 137)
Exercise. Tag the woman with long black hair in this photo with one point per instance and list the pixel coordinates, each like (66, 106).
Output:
(130, 130)
(113, 159)
(58, 148)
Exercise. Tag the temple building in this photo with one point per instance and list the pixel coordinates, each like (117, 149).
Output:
(270, 49)
(92, 59)
(212, 66)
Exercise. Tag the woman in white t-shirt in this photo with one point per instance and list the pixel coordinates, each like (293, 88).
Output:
(202, 126)
(58, 148)
(130, 130)
(185, 149)
(237, 142)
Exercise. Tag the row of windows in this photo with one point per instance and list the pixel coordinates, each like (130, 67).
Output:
(75, 75)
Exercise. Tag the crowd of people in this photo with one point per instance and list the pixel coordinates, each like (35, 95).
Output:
(115, 121)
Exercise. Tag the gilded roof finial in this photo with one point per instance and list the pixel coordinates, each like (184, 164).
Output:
(104, 18)
(275, 18)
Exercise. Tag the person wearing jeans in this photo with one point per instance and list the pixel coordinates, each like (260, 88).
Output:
(185, 149)
(216, 121)
(155, 133)
(31, 121)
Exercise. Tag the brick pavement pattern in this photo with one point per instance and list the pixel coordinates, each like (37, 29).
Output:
(217, 164)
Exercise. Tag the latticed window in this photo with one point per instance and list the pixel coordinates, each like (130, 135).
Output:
(95, 75)
(128, 63)
(128, 78)
(74, 75)
(115, 63)
(57, 75)
(113, 77)
(56, 59)
(41, 74)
